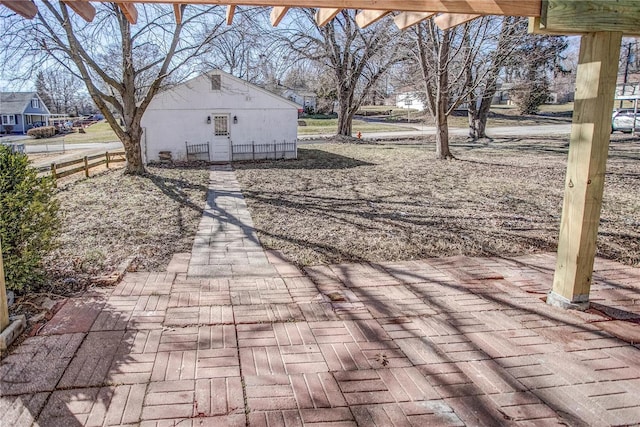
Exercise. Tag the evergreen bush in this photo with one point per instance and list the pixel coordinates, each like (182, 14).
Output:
(28, 220)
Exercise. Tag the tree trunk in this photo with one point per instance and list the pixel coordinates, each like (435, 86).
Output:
(345, 115)
(442, 137)
(478, 116)
(133, 150)
(480, 124)
(472, 115)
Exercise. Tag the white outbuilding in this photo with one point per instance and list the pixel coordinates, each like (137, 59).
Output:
(218, 117)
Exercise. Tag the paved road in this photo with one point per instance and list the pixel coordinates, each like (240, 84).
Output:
(44, 148)
(420, 130)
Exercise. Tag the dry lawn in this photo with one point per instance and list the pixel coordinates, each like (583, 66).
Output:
(364, 202)
(112, 216)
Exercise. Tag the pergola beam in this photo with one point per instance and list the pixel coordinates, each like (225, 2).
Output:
(405, 20)
(129, 10)
(530, 8)
(177, 11)
(277, 13)
(26, 9)
(369, 17)
(446, 21)
(324, 15)
(231, 10)
(84, 9)
(589, 16)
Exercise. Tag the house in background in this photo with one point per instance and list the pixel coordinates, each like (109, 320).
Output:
(220, 118)
(21, 111)
(304, 98)
(410, 100)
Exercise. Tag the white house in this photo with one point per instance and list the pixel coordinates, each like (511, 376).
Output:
(304, 98)
(410, 100)
(219, 117)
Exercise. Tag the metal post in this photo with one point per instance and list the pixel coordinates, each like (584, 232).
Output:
(635, 115)
(4, 306)
(253, 150)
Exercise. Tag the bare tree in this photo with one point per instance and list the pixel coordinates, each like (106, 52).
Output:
(59, 90)
(123, 66)
(486, 72)
(462, 65)
(536, 60)
(357, 57)
(443, 58)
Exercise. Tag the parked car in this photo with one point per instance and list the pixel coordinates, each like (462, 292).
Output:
(622, 120)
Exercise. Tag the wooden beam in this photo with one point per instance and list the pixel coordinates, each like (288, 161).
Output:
(481, 7)
(26, 9)
(367, 17)
(584, 183)
(84, 9)
(277, 13)
(129, 10)
(231, 10)
(405, 20)
(323, 16)
(4, 306)
(588, 16)
(177, 11)
(535, 27)
(449, 20)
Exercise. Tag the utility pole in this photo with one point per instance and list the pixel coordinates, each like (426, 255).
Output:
(626, 71)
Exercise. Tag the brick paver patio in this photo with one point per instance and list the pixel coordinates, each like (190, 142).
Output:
(233, 336)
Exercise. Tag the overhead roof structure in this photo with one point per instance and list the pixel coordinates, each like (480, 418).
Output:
(549, 16)
(601, 23)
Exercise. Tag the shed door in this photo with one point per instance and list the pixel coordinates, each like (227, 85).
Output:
(221, 149)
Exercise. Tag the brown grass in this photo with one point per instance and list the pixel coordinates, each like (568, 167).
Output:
(359, 202)
(112, 216)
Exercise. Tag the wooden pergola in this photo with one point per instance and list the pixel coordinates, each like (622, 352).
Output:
(601, 25)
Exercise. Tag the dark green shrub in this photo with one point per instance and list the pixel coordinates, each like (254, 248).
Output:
(42, 132)
(28, 220)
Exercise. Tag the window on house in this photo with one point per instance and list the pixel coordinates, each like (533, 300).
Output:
(221, 125)
(8, 120)
(35, 103)
(216, 82)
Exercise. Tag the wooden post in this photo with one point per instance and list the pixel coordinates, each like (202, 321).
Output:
(4, 305)
(106, 156)
(53, 171)
(588, 150)
(86, 167)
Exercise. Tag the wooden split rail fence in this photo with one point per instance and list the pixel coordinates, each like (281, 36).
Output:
(62, 169)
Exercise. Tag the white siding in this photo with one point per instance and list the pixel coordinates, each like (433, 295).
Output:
(180, 115)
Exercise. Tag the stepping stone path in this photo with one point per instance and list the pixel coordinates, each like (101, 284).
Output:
(231, 335)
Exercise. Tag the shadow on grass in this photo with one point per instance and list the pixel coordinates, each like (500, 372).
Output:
(307, 159)
(174, 189)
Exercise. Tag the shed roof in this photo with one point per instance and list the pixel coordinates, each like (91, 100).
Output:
(15, 102)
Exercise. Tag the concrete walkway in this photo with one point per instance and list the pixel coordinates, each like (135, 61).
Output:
(233, 336)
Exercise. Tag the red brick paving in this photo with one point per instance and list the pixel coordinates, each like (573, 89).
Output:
(437, 348)
(447, 342)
